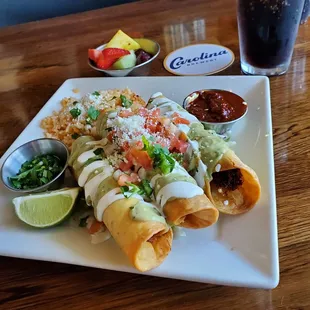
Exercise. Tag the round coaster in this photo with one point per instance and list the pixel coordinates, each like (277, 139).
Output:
(199, 59)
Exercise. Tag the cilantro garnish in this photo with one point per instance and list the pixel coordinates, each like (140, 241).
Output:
(160, 155)
(75, 135)
(75, 112)
(98, 151)
(92, 159)
(144, 188)
(126, 103)
(178, 157)
(93, 113)
(96, 93)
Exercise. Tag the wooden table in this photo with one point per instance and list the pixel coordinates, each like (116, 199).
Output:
(36, 58)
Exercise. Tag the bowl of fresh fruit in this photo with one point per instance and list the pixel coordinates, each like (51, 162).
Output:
(123, 55)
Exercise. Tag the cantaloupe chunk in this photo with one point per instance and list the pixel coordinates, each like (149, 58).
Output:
(122, 40)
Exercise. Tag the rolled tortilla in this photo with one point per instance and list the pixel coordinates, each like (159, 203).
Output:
(195, 212)
(183, 202)
(231, 185)
(209, 154)
(244, 197)
(168, 107)
(146, 243)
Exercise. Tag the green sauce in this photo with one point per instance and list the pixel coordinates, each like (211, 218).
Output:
(80, 146)
(104, 187)
(95, 172)
(101, 123)
(146, 212)
(171, 178)
(211, 146)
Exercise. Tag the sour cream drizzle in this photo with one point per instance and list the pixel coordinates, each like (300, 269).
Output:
(86, 155)
(106, 200)
(91, 186)
(161, 102)
(88, 170)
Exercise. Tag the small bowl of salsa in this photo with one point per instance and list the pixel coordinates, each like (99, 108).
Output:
(216, 109)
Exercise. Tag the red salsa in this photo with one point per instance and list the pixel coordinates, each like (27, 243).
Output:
(217, 106)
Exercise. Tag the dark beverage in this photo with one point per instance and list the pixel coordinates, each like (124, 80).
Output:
(305, 12)
(267, 33)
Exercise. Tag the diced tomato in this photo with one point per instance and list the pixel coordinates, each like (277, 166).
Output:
(95, 227)
(125, 166)
(126, 146)
(125, 113)
(178, 145)
(177, 119)
(93, 54)
(182, 146)
(155, 113)
(153, 125)
(139, 145)
(181, 120)
(142, 158)
(110, 136)
(125, 178)
(143, 112)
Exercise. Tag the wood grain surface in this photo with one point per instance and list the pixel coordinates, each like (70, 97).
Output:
(36, 58)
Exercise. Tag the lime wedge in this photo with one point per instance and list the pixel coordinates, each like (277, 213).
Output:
(46, 209)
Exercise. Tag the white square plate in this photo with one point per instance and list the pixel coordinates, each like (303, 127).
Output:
(239, 250)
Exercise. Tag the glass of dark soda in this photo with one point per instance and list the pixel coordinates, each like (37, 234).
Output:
(267, 34)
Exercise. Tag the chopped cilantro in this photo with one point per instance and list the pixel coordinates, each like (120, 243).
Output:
(178, 157)
(92, 159)
(88, 121)
(146, 186)
(75, 112)
(96, 93)
(160, 155)
(129, 191)
(126, 103)
(114, 97)
(37, 172)
(75, 135)
(98, 151)
(93, 113)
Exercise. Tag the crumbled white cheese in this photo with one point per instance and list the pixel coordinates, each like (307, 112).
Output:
(226, 202)
(131, 129)
(115, 159)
